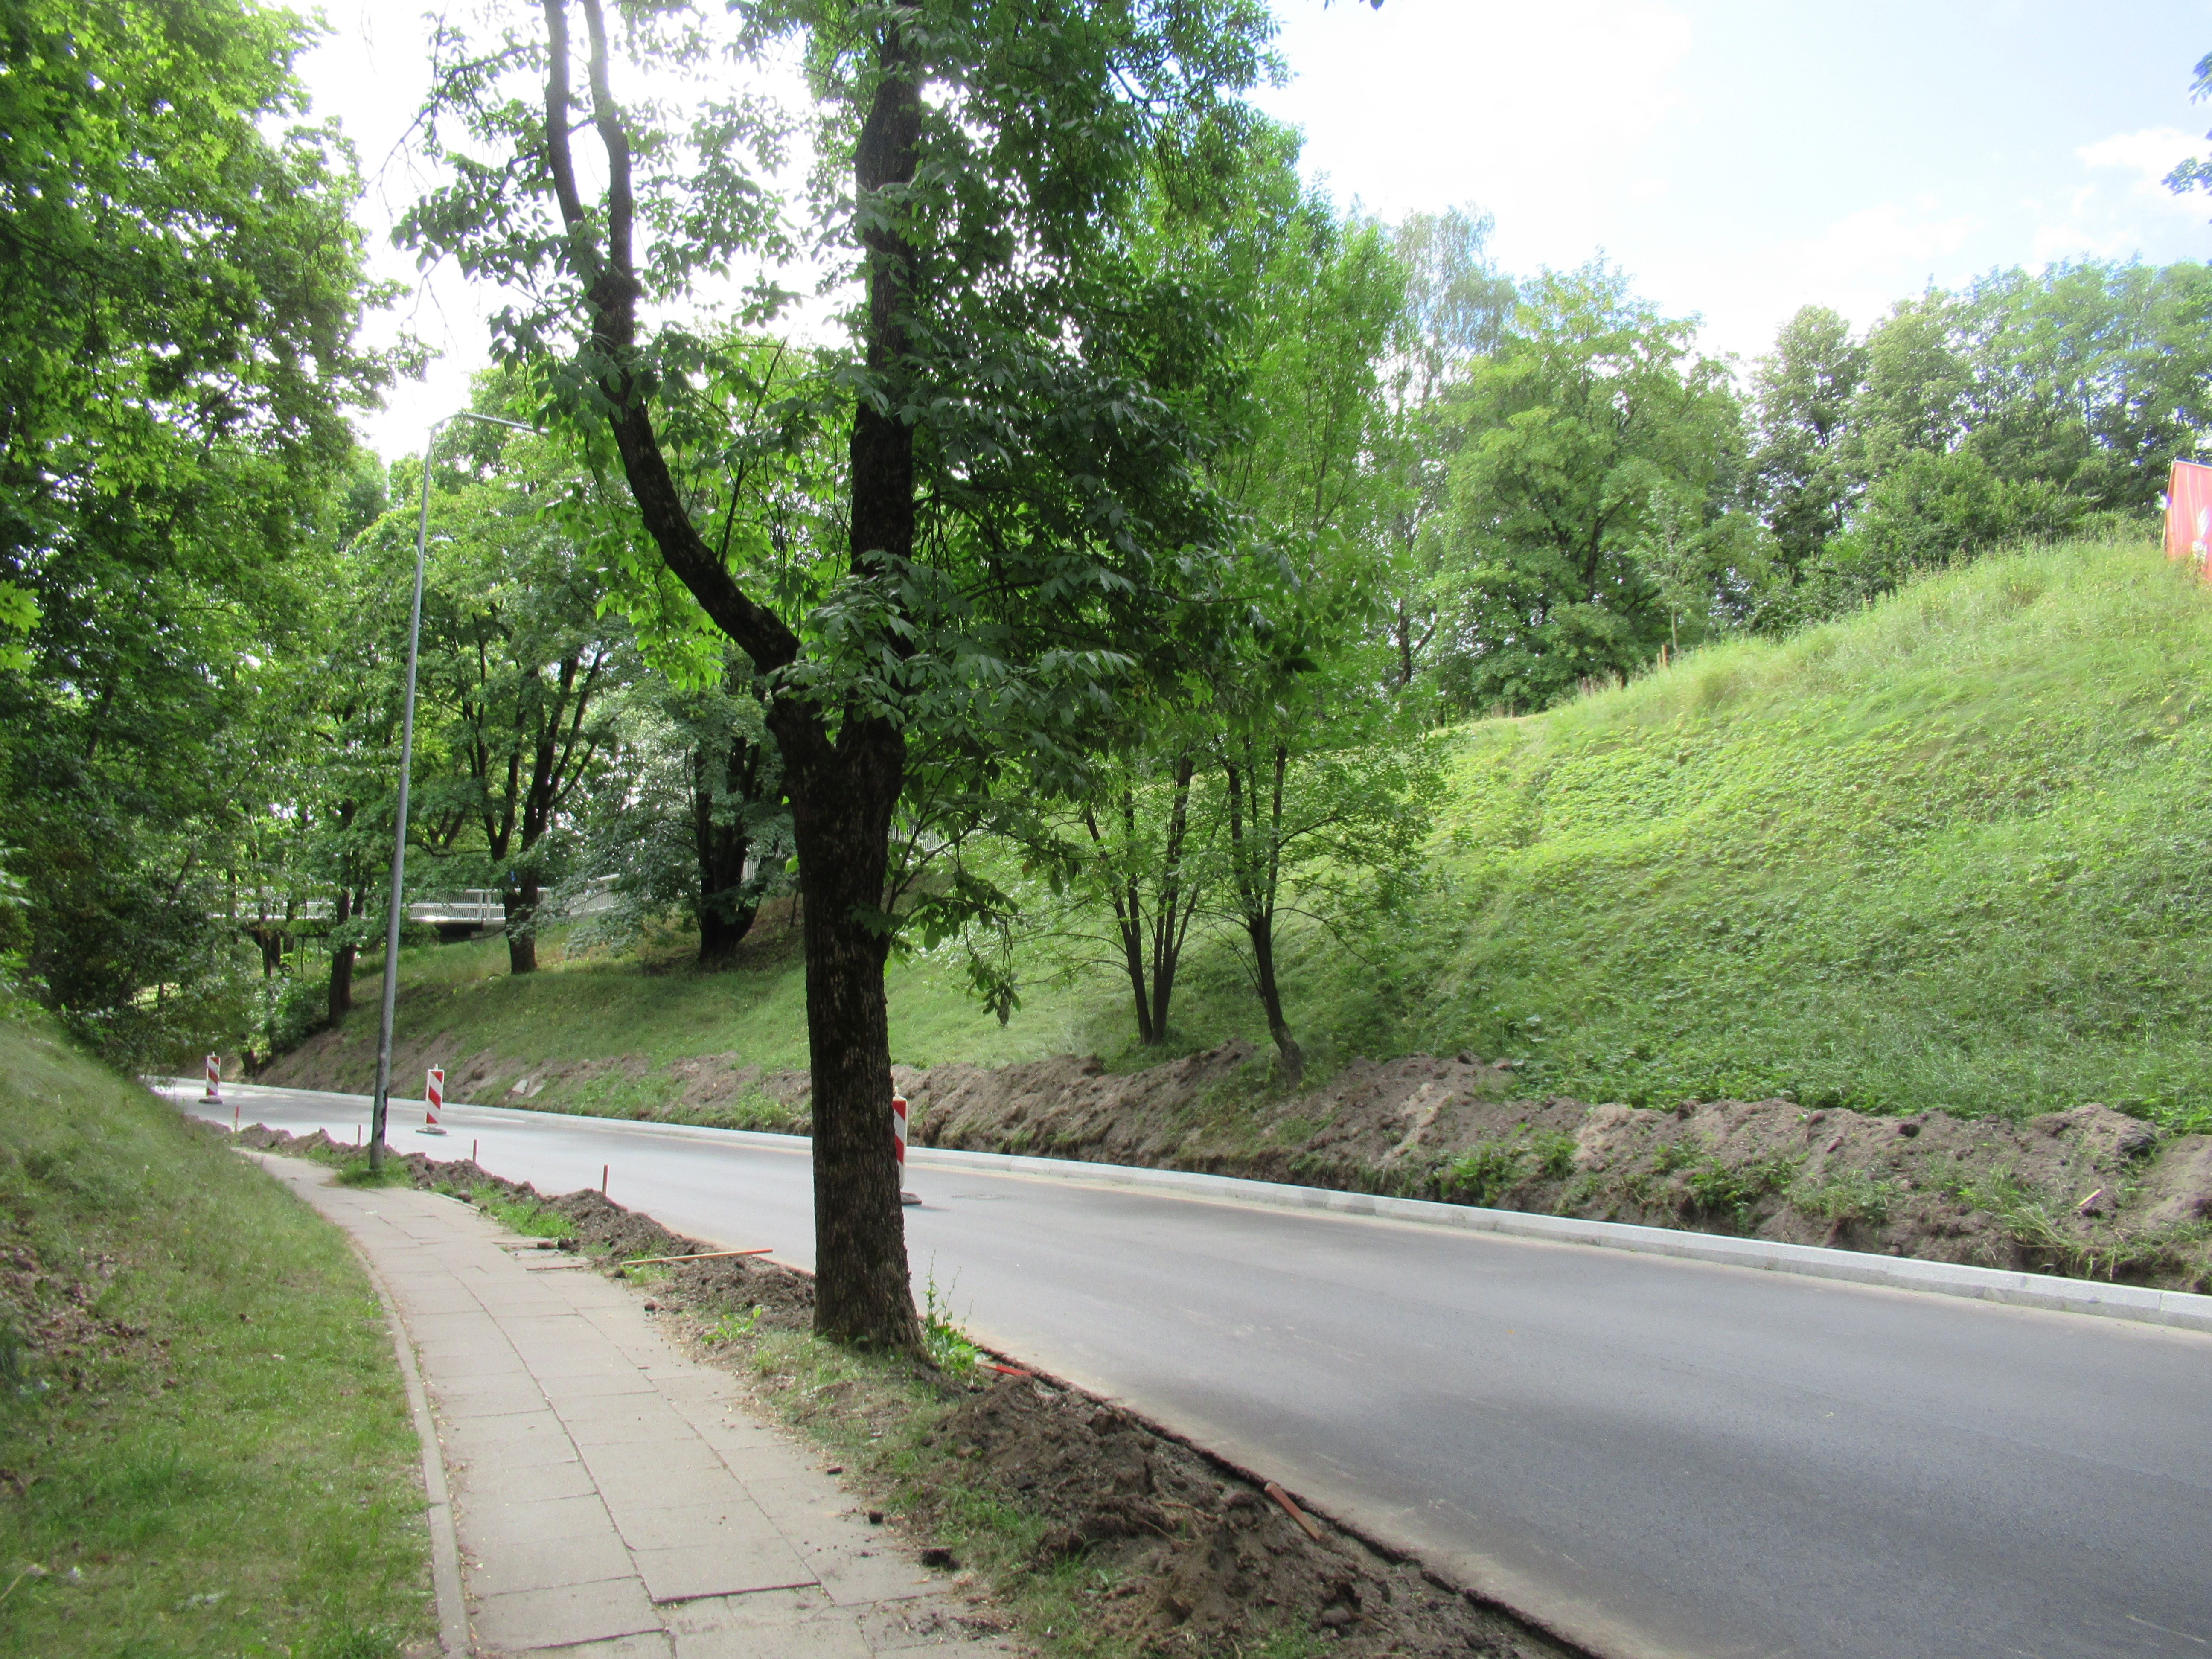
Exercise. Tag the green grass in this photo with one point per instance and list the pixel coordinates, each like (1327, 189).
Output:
(522, 1216)
(218, 1458)
(1953, 852)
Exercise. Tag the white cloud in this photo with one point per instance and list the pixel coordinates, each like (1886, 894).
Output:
(2108, 217)
(2150, 154)
(1858, 265)
(1528, 111)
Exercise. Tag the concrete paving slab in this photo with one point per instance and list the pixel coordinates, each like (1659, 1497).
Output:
(627, 1480)
(503, 1566)
(543, 1483)
(506, 1395)
(697, 1570)
(733, 1523)
(529, 1621)
(655, 1644)
(493, 1525)
(612, 1496)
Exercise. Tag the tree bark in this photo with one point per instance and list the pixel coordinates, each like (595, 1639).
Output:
(842, 798)
(342, 960)
(846, 789)
(1171, 918)
(519, 904)
(1261, 929)
(1129, 900)
(1256, 859)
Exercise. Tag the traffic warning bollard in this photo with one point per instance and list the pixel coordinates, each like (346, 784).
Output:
(433, 1101)
(898, 1146)
(214, 1094)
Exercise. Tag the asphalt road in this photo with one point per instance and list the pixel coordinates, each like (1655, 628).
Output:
(1652, 1456)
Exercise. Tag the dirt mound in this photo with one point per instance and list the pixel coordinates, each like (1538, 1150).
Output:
(318, 1145)
(2090, 1191)
(778, 1297)
(1202, 1559)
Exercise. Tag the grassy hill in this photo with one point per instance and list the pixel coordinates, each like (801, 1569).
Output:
(204, 1440)
(1953, 852)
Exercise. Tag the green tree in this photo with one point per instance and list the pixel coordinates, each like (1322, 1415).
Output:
(1593, 416)
(1914, 399)
(690, 813)
(180, 280)
(1457, 309)
(520, 659)
(1802, 480)
(1297, 720)
(1020, 517)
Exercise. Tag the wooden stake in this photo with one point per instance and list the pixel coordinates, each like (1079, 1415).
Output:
(703, 1256)
(1293, 1510)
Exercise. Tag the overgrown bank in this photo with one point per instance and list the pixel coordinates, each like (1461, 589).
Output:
(1952, 852)
(204, 1443)
(1946, 856)
(1103, 1536)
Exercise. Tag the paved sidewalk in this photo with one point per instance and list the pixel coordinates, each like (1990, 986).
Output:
(612, 1500)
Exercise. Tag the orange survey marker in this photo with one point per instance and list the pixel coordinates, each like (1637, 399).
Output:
(2189, 514)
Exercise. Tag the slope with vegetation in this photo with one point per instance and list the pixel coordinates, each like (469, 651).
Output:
(1946, 855)
(204, 1443)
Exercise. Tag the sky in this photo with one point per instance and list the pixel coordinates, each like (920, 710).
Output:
(1737, 158)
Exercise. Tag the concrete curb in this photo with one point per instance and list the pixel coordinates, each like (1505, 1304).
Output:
(444, 1540)
(2178, 1309)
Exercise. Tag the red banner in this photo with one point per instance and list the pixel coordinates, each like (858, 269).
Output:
(2189, 512)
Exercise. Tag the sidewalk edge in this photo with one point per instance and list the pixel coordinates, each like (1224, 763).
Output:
(444, 1541)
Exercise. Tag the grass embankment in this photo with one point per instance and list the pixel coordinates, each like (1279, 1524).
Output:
(204, 1442)
(1950, 852)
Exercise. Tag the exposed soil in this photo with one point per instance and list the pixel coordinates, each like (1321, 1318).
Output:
(2089, 1192)
(1200, 1558)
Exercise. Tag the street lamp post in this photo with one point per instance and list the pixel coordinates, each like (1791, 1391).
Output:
(379, 1110)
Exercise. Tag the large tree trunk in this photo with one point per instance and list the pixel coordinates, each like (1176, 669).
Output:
(841, 797)
(842, 789)
(842, 792)
(342, 960)
(519, 903)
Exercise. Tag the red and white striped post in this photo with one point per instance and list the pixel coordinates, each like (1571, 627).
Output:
(898, 1147)
(212, 1097)
(433, 1101)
